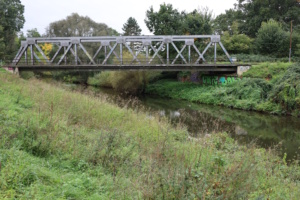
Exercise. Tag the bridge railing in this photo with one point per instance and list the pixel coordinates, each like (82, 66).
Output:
(121, 50)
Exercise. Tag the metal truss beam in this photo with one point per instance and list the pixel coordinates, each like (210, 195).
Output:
(150, 47)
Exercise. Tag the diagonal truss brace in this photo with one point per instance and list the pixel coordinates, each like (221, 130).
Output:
(179, 53)
(71, 44)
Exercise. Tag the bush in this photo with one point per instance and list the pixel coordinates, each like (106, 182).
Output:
(272, 39)
(131, 82)
(102, 79)
(287, 90)
(267, 70)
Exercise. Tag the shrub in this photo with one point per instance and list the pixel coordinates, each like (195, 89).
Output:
(287, 89)
(102, 79)
(272, 39)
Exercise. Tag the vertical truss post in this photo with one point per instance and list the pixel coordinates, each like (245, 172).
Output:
(215, 54)
(121, 41)
(31, 42)
(147, 43)
(215, 39)
(167, 41)
(168, 53)
(76, 56)
(31, 55)
(65, 52)
(25, 53)
(75, 42)
(189, 43)
(121, 53)
(189, 54)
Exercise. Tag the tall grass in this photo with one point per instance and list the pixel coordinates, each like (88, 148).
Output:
(60, 144)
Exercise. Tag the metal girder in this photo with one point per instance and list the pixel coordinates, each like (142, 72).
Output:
(65, 53)
(44, 56)
(179, 53)
(86, 53)
(186, 47)
(156, 53)
(59, 48)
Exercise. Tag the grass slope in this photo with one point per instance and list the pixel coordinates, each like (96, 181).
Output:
(57, 144)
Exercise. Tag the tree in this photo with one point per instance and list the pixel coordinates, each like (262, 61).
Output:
(198, 22)
(236, 43)
(11, 22)
(167, 21)
(131, 27)
(33, 33)
(80, 26)
(223, 22)
(297, 52)
(272, 39)
(76, 25)
(254, 12)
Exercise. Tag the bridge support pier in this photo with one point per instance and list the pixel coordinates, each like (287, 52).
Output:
(16, 71)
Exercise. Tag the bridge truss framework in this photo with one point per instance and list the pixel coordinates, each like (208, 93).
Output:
(143, 52)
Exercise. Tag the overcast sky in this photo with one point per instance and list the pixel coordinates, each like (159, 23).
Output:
(40, 13)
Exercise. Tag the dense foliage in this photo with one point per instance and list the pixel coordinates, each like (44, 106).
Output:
(131, 27)
(278, 96)
(271, 39)
(11, 22)
(170, 21)
(76, 25)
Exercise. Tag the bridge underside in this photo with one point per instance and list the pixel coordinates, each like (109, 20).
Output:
(225, 68)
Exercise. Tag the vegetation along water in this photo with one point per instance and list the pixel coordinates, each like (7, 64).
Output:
(61, 144)
(57, 142)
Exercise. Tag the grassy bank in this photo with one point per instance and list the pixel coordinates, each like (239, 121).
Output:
(57, 144)
(278, 95)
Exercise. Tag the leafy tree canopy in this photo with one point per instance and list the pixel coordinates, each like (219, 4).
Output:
(131, 27)
(167, 21)
(272, 39)
(254, 12)
(33, 33)
(235, 42)
(198, 22)
(76, 25)
(11, 21)
(251, 13)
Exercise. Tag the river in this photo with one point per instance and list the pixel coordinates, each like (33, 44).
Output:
(246, 127)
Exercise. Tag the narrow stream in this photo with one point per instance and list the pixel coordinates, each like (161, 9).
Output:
(246, 127)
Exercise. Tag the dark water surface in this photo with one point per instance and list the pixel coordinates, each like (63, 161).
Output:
(246, 127)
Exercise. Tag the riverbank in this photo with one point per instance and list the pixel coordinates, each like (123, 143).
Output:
(270, 88)
(55, 143)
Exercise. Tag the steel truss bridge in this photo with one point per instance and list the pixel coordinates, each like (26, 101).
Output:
(123, 53)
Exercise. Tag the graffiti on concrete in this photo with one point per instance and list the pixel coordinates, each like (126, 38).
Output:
(218, 80)
(196, 77)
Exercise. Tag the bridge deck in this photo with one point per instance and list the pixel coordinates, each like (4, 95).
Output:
(229, 68)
